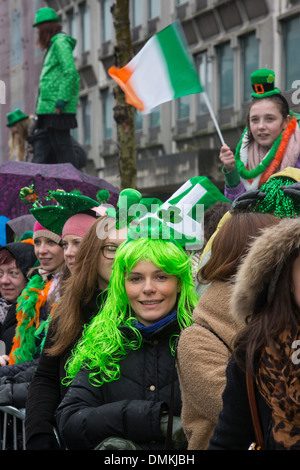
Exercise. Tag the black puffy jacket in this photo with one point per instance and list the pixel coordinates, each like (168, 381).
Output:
(234, 429)
(129, 407)
(8, 328)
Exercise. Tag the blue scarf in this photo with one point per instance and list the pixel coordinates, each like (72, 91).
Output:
(146, 331)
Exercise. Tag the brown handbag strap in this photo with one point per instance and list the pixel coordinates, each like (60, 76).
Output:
(254, 411)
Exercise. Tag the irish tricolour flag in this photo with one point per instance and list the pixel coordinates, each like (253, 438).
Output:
(162, 71)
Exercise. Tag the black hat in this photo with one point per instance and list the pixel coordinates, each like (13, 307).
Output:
(23, 253)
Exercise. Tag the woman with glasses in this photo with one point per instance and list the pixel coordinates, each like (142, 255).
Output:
(83, 294)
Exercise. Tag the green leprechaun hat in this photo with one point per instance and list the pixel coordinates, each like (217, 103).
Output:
(263, 83)
(15, 116)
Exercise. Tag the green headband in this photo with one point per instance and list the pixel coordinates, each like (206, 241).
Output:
(132, 206)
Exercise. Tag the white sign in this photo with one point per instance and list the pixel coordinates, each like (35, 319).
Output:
(2, 92)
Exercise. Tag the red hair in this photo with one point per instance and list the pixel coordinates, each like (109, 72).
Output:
(6, 257)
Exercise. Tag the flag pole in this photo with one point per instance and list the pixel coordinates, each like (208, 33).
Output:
(213, 116)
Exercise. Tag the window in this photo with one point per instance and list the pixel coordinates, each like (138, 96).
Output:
(72, 28)
(86, 120)
(107, 113)
(183, 104)
(137, 13)
(155, 117)
(138, 121)
(154, 9)
(250, 63)
(226, 76)
(106, 20)
(85, 26)
(204, 66)
(291, 45)
(74, 133)
(16, 49)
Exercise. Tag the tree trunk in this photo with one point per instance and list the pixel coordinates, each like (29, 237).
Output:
(123, 112)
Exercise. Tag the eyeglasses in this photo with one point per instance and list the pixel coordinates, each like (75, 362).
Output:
(109, 251)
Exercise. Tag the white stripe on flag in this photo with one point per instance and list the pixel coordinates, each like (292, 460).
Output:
(150, 79)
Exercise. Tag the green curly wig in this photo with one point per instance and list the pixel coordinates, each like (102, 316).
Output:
(103, 345)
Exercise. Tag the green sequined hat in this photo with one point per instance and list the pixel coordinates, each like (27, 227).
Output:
(53, 217)
(263, 83)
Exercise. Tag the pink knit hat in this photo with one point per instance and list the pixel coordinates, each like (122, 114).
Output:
(78, 225)
(40, 231)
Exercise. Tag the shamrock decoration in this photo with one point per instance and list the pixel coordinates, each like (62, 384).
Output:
(150, 228)
(29, 196)
(171, 214)
(270, 78)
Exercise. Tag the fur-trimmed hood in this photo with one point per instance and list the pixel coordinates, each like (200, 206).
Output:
(258, 268)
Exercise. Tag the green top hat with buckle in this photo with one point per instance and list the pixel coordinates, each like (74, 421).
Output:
(14, 117)
(263, 83)
(45, 14)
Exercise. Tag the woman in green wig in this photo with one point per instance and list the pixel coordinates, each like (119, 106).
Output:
(124, 364)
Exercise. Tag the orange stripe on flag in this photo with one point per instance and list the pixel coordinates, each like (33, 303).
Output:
(122, 77)
(123, 74)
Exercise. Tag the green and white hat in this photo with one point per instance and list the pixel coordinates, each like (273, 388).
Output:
(182, 214)
(263, 83)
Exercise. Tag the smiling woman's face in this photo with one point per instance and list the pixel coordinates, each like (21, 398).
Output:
(70, 244)
(12, 281)
(151, 293)
(107, 254)
(266, 122)
(49, 253)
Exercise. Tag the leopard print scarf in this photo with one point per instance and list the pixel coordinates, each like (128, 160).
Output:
(278, 381)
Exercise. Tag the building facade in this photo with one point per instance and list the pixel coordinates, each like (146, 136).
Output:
(228, 40)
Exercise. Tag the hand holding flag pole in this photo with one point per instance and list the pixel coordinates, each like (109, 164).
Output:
(162, 70)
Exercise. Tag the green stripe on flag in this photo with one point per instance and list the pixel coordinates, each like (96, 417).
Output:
(182, 71)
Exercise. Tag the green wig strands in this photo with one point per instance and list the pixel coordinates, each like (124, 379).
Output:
(103, 345)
